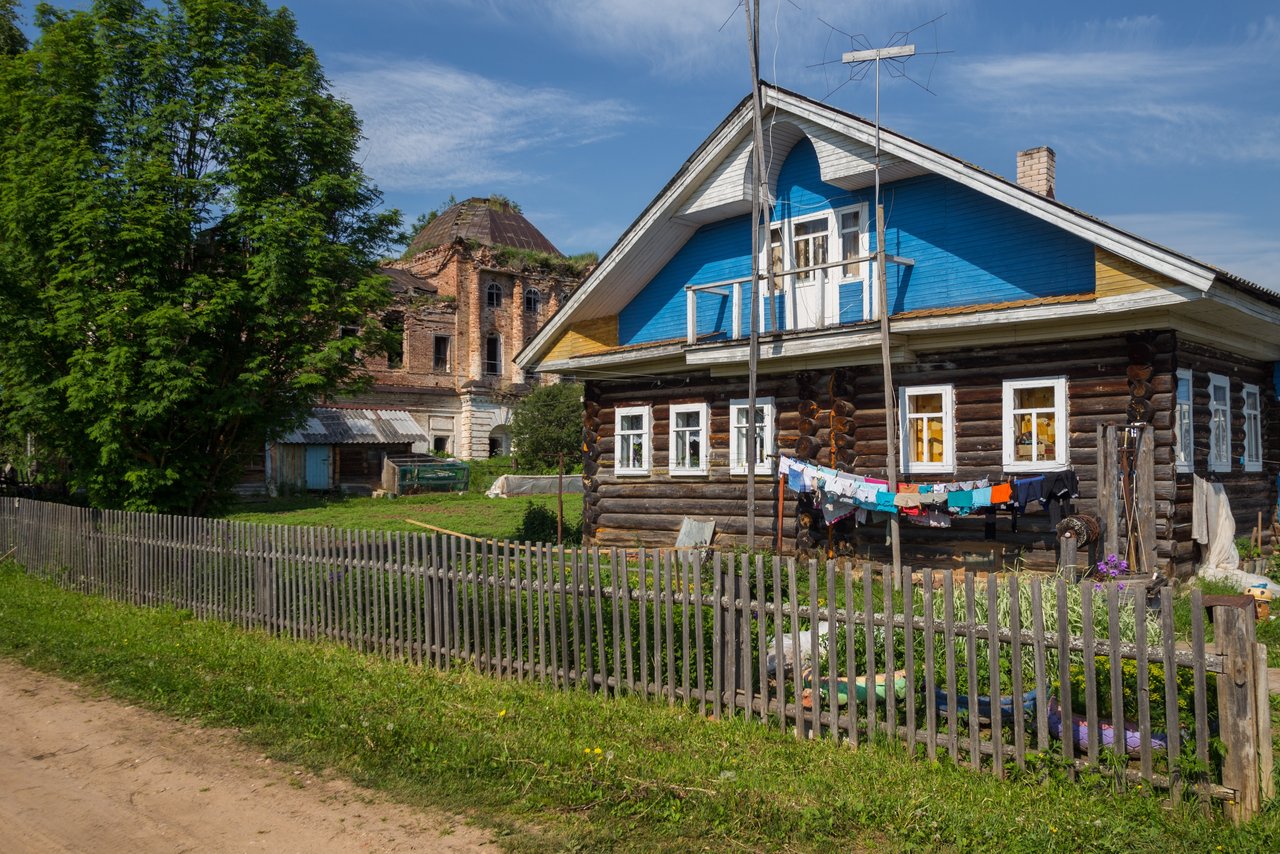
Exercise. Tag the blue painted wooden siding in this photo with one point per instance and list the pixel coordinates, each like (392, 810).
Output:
(968, 250)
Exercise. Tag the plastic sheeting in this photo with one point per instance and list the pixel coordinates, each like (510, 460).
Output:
(509, 485)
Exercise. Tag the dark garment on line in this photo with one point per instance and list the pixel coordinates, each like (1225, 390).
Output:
(1025, 490)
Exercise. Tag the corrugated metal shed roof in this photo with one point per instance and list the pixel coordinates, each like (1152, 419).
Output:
(332, 426)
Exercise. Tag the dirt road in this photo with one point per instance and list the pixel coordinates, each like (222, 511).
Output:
(80, 773)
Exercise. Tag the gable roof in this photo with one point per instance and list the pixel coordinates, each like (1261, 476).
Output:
(714, 184)
(489, 222)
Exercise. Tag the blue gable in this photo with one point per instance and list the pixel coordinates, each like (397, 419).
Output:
(968, 250)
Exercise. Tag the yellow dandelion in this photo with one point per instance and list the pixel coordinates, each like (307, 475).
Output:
(586, 750)
(598, 751)
(502, 713)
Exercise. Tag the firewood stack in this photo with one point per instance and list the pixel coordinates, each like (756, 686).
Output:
(1141, 357)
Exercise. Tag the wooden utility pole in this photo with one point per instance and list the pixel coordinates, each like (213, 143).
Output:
(757, 206)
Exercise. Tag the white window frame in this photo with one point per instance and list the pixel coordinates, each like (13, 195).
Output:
(703, 435)
(948, 462)
(1184, 422)
(1219, 424)
(1061, 448)
(1252, 413)
(646, 439)
(782, 237)
(737, 458)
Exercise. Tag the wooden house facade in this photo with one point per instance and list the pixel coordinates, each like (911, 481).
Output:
(1018, 326)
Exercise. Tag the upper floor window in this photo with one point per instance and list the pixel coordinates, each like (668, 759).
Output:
(632, 439)
(532, 300)
(928, 429)
(393, 322)
(1035, 424)
(688, 439)
(440, 353)
(1219, 423)
(493, 295)
(764, 449)
(805, 254)
(1184, 423)
(493, 355)
(1252, 412)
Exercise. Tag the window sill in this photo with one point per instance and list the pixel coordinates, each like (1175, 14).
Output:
(688, 472)
(630, 473)
(1039, 466)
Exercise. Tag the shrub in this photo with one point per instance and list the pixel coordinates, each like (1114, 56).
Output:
(538, 525)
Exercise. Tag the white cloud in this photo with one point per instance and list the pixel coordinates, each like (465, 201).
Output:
(431, 126)
(1126, 91)
(1225, 240)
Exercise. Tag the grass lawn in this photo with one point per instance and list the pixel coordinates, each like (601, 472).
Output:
(551, 770)
(466, 513)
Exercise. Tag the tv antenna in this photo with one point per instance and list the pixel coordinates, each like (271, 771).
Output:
(860, 60)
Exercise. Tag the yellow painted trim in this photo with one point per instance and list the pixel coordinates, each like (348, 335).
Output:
(586, 338)
(1115, 276)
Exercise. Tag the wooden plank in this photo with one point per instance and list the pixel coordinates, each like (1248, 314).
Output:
(1064, 676)
(993, 669)
(815, 655)
(909, 656)
(699, 635)
(1107, 474)
(562, 606)
(890, 654)
(1172, 722)
(575, 598)
(1116, 669)
(1233, 634)
(746, 658)
(687, 568)
(718, 633)
(833, 699)
(642, 591)
(930, 677)
(1015, 659)
(1041, 666)
(971, 668)
(949, 641)
(669, 567)
(1144, 682)
(1090, 671)
(779, 671)
(624, 573)
(793, 598)
(868, 609)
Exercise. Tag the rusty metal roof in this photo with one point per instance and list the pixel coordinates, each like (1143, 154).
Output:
(352, 426)
(485, 221)
(994, 306)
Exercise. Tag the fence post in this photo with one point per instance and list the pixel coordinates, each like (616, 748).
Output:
(1238, 712)
(1107, 466)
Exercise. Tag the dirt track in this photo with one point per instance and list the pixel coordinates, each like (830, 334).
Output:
(80, 773)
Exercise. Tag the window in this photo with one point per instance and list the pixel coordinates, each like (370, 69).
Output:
(738, 435)
(631, 441)
(1184, 423)
(928, 429)
(814, 298)
(440, 353)
(393, 322)
(1035, 424)
(688, 440)
(1252, 412)
(1219, 423)
(493, 295)
(493, 355)
(440, 444)
(532, 300)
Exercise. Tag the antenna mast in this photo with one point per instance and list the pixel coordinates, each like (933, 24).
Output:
(878, 55)
(757, 208)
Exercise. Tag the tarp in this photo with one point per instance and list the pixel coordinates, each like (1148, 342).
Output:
(534, 484)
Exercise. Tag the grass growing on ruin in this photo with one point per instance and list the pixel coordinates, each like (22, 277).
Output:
(555, 770)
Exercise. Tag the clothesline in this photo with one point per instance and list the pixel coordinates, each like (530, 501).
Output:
(843, 494)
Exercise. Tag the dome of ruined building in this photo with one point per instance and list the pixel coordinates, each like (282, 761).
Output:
(490, 222)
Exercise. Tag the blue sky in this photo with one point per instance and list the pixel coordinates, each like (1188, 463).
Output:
(1165, 116)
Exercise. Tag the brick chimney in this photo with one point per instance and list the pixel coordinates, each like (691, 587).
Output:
(1035, 170)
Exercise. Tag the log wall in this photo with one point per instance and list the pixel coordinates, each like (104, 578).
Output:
(836, 418)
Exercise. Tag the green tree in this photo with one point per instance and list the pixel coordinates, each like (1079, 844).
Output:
(546, 424)
(184, 228)
(12, 40)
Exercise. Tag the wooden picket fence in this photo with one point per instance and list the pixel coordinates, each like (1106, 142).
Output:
(806, 648)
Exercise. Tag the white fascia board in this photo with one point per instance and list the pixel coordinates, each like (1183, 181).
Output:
(666, 357)
(660, 214)
(1161, 261)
